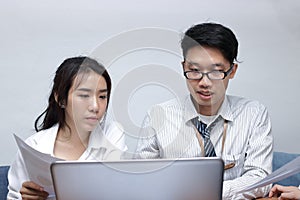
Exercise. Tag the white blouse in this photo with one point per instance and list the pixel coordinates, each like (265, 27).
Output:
(105, 143)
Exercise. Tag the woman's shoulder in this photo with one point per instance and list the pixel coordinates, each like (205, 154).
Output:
(42, 136)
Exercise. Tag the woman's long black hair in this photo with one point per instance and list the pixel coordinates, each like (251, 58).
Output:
(63, 80)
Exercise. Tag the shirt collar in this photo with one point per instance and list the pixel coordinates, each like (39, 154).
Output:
(225, 110)
(100, 147)
(97, 138)
(47, 138)
(190, 110)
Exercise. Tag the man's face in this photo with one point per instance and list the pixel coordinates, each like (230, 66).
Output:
(207, 94)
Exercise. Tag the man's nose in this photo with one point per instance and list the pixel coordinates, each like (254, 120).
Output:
(204, 81)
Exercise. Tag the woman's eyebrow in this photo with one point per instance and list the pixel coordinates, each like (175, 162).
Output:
(88, 90)
(103, 90)
(84, 89)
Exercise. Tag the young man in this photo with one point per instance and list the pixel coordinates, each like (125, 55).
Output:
(207, 122)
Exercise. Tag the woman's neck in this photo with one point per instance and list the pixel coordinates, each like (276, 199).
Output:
(69, 145)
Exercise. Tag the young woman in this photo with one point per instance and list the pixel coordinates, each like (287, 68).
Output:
(74, 125)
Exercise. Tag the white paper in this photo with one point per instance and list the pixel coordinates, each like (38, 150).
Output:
(37, 165)
(287, 170)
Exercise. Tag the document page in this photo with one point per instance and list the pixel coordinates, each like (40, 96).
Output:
(289, 169)
(37, 165)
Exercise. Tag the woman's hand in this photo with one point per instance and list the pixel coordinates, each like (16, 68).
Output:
(31, 190)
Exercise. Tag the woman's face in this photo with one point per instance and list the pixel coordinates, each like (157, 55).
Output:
(87, 102)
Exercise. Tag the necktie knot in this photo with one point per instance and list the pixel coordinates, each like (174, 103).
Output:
(203, 130)
(201, 127)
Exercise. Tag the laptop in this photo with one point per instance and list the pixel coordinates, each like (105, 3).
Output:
(155, 179)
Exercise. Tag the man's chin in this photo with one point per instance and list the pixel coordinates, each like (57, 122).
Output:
(200, 102)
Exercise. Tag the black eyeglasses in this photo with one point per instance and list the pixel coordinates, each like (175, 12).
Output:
(212, 75)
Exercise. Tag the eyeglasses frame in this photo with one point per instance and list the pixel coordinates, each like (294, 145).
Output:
(226, 73)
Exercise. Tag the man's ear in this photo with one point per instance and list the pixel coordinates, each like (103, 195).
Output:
(182, 63)
(234, 69)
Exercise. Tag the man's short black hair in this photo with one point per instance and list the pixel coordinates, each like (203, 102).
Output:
(211, 35)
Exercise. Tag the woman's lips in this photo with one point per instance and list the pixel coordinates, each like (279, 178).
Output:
(92, 119)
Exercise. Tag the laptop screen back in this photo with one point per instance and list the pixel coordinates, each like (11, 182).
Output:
(159, 179)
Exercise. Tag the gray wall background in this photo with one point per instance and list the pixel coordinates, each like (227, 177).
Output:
(36, 36)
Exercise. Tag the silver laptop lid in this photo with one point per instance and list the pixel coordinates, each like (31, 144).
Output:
(159, 179)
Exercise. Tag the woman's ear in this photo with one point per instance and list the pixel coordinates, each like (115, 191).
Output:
(56, 97)
(60, 104)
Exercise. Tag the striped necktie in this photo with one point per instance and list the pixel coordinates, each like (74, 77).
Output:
(203, 130)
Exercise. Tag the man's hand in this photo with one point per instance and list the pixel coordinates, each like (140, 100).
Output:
(285, 192)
